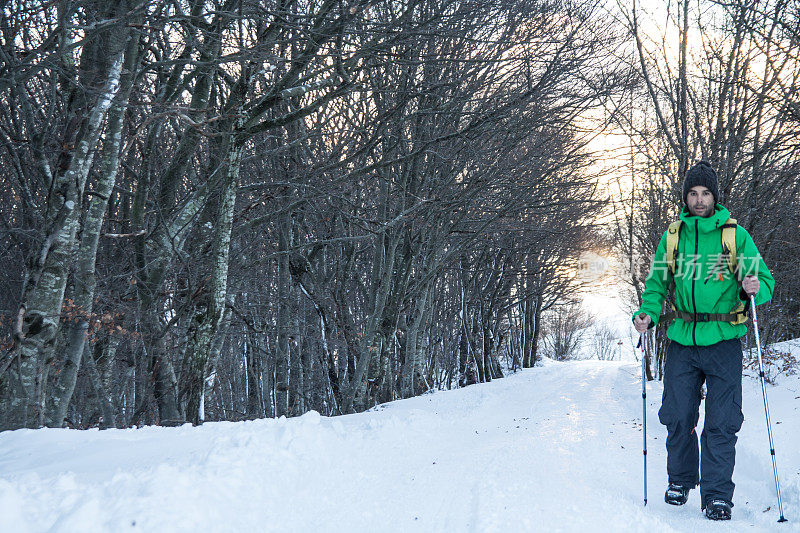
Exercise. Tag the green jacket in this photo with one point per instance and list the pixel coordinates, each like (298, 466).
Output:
(703, 282)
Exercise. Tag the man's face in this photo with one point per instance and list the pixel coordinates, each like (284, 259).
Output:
(700, 201)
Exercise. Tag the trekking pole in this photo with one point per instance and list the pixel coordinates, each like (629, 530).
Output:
(766, 406)
(644, 410)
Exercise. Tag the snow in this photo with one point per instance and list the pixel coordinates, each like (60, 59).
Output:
(554, 448)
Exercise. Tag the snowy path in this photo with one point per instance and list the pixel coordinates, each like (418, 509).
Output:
(556, 448)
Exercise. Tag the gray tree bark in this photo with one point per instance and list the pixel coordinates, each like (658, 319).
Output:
(208, 319)
(84, 277)
(283, 325)
(43, 295)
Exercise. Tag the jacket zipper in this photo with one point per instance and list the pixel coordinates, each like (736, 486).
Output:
(694, 275)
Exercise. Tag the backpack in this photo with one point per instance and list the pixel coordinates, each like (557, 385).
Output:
(728, 237)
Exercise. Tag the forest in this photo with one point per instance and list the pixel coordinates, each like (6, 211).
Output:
(238, 209)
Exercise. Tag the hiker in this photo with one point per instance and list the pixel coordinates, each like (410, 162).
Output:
(715, 267)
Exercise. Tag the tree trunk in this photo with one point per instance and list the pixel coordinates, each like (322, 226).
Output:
(43, 294)
(412, 360)
(537, 328)
(368, 348)
(283, 352)
(101, 391)
(255, 389)
(208, 318)
(85, 279)
(296, 370)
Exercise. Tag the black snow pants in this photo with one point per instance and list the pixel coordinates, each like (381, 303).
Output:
(685, 370)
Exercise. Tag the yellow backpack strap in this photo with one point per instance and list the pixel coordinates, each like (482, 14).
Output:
(729, 246)
(673, 235)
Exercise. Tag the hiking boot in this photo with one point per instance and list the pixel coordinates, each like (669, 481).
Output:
(718, 510)
(676, 494)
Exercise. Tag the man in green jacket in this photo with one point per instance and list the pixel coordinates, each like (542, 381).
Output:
(705, 345)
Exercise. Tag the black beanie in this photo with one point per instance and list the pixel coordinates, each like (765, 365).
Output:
(701, 174)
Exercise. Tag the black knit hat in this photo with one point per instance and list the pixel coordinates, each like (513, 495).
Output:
(701, 174)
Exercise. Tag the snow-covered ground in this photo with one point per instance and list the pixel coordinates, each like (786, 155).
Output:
(555, 448)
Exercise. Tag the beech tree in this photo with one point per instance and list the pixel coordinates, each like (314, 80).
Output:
(228, 209)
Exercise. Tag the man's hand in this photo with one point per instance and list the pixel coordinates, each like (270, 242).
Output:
(750, 285)
(642, 322)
